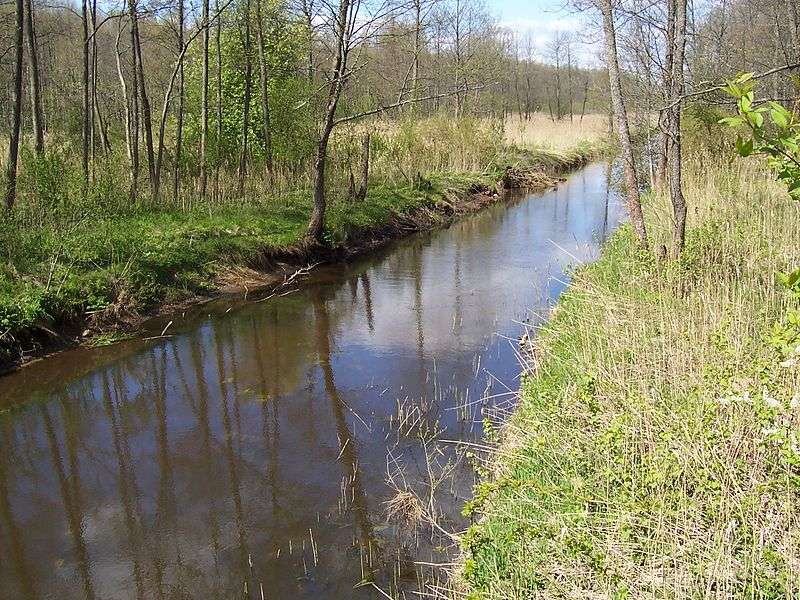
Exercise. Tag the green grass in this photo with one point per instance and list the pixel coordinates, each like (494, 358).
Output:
(99, 264)
(654, 451)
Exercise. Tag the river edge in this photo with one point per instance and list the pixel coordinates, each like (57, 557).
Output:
(276, 268)
(651, 415)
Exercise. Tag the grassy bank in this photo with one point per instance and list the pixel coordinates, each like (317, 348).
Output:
(654, 452)
(74, 267)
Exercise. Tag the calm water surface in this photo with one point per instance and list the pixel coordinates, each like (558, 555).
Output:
(256, 447)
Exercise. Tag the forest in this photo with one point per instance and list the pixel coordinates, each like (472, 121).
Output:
(378, 205)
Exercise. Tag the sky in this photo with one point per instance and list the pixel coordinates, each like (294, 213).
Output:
(541, 19)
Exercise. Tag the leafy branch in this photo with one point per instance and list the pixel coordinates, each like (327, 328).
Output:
(774, 132)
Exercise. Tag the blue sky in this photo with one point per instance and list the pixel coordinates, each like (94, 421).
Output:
(540, 20)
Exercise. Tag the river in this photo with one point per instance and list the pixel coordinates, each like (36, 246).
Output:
(259, 447)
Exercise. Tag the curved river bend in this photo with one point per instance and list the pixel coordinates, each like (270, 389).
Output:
(254, 450)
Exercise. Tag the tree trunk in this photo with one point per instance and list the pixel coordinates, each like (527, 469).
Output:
(308, 8)
(13, 146)
(204, 108)
(665, 116)
(218, 71)
(36, 90)
(623, 130)
(248, 84)
(264, 80)
(361, 194)
(559, 114)
(569, 84)
(585, 97)
(85, 86)
(417, 48)
(129, 134)
(134, 104)
(176, 175)
(675, 183)
(794, 27)
(147, 115)
(316, 224)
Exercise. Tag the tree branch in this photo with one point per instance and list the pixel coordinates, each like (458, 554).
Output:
(720, 87)
(382, 109)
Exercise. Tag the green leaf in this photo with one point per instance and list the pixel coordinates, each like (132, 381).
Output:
(732, 121)
(780, 116)
(744, 148)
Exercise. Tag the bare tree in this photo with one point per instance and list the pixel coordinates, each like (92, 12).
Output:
(621, 118)
(147, 115)
(556, 49)
(130, 116)
(13, 146)
(343, 30)
(37, 116)
(674, 133)
(176, 176)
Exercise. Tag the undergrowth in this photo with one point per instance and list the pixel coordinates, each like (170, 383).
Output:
(654, 452)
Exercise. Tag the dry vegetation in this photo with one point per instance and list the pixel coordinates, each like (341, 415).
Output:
(654, 453)
(540, 131)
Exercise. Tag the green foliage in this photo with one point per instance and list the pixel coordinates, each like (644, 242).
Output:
(773, 131)
(292, 118)
(701, 128)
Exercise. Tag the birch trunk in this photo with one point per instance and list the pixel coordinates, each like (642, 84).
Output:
(620, 116)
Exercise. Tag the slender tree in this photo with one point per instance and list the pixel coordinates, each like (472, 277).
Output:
(130, 116)
(264, 81)
(204, 107)
(342, 32)
(218, 113)
(248, 83)
(37, 115)
(86, 115)
(675, 159)
(621, 118)
(16, 118)
(176, 175)
(147, 115)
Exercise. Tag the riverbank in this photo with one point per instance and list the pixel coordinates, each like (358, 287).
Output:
(653, 452)
(101, 278)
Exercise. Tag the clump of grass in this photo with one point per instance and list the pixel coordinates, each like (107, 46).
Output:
(654, 451)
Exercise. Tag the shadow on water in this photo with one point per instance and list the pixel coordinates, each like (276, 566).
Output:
(256, 449)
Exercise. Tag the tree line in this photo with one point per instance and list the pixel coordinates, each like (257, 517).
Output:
(191, 99)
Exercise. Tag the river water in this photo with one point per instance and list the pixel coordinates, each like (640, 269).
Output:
(256, 449)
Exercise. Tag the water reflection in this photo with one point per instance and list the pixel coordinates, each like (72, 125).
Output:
(249, 450)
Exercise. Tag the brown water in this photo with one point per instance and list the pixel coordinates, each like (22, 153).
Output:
(251, 449)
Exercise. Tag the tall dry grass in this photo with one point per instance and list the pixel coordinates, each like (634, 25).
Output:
(654, 453)
(540, 131)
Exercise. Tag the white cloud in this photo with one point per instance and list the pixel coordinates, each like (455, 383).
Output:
(540, 32)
